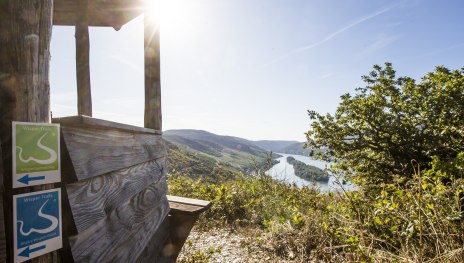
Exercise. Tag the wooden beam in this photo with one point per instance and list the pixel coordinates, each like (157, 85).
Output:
(152, 74)
(84, 94)
(84, 121)
(2, 220)
(106, 13)
(94, 152)
(180, 226)
(188, 206)
(25, 33)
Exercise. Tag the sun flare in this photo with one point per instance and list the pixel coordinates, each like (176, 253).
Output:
(172, 15)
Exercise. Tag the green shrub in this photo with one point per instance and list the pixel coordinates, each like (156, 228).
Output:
(418, 221)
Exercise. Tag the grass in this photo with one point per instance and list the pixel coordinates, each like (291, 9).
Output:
(417, 221)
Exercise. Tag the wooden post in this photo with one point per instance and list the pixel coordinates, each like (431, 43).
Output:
(152, 73)
(84, 95)
(2, 220)
(25, 32)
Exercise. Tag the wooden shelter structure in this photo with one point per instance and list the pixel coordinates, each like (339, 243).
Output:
(115, 202)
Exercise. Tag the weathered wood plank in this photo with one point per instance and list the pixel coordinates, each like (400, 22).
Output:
(180, 226)
(188, 206)
(153, 251)
(110, 13)
(68, 226)
(2, 188)
(25, 28)
(126, 252)
(2, 220)
(153, 118)
(113, 236)
(90, 122)
(177, 208)
(2, 232)
(95, 152)
(188, 201)
(91, 200)
(84, 92)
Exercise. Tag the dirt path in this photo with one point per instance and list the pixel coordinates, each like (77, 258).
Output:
(223, 245)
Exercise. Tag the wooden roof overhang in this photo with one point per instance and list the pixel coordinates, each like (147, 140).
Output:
(104, 13)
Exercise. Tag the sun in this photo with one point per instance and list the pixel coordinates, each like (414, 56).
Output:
(172, 15)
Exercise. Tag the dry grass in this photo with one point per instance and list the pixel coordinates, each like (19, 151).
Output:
(420, 221)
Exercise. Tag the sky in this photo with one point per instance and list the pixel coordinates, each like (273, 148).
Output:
(252, 68)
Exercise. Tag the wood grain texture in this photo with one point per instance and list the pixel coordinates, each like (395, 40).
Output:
(177, 208)
(153, 117)
(90, 122)
(153, 251)
(188, 201)
(2, 219)
(2, 231)
(91, 200)
(84, 93)
(125, 232)
(108, 13)
(188, 206)
(128, 251)
(2, 188)
(180, 226)
(25, 28)
(95, 152)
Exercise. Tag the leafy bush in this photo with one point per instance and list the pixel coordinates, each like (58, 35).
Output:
(248, 200)
(419, 221)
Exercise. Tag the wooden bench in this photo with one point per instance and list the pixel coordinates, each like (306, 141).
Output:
(183, 214)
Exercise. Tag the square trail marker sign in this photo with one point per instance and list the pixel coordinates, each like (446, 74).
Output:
(37, 224)
(36, 154)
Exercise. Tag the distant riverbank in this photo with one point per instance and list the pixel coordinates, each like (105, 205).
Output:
(285, 172)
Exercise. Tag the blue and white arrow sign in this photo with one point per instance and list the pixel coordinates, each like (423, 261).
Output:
(26, 252)
(26, 179)
(37, 220)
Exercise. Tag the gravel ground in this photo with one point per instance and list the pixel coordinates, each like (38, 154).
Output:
(223, 245)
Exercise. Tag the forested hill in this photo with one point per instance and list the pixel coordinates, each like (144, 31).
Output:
(227, 150)
(275, 146)
(295, 148)
(217, 144)
(237, 143)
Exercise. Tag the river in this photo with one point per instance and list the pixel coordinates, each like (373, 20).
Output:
(284, 171)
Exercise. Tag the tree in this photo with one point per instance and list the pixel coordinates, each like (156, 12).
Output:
(393, 126)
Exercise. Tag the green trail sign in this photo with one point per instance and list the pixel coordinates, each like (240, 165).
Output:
(36, 154)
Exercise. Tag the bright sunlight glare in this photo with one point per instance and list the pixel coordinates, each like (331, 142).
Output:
(172, 15)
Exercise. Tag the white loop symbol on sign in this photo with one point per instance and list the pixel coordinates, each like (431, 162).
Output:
(53, 154)
(52, 219)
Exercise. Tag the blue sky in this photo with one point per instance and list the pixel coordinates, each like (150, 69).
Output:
(252, 68)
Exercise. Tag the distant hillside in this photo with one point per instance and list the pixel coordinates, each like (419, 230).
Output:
(274, 146)
(196, 165)
(237, 152)
(295, 148)
(288, 147)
